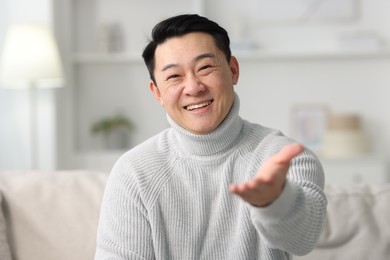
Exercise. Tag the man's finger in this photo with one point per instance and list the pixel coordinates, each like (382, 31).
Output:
(289, 152)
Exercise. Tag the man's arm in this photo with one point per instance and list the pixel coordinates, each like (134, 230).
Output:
(289, 212)
(124, 230)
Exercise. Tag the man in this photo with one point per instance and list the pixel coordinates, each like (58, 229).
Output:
(212, 186)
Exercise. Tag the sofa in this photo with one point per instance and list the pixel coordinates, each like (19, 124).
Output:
(357, 224)
(54, 216)
(50, 215)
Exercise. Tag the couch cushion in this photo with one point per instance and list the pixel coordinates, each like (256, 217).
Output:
(358, 225)
(5, 253)
(52, 215)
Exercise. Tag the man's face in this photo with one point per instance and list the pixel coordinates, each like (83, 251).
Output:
(194, 81)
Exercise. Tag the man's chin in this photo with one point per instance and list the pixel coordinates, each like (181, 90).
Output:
(201, 130)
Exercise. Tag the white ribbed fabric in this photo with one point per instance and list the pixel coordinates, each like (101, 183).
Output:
(168, 198)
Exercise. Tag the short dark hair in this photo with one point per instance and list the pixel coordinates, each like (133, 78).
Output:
(178, 26)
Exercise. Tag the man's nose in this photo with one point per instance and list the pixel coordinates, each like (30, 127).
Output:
(193, 85)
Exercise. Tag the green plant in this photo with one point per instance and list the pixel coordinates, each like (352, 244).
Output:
(109, 124)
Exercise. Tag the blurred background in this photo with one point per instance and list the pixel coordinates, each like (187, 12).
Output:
(318, 70)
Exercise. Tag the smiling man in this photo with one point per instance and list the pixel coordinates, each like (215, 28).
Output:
(194, 81)
(213, 185)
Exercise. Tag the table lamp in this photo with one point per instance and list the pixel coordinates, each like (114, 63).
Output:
(30, 59)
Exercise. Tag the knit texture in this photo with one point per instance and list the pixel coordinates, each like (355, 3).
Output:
(169, 198)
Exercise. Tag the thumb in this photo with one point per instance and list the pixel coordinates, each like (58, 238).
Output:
(288, 153)
(280, 162)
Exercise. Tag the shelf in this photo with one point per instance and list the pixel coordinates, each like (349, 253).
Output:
(358, 159)
(358, 170)
(99, 160)
(103, 58)
(255, 56)
(325, 55)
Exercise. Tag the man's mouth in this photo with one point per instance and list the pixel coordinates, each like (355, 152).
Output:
(197, 106)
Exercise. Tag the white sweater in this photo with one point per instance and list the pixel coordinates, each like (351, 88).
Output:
(169, 198)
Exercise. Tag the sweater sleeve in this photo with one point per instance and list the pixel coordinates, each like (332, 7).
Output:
(124, 230)
(294, 221)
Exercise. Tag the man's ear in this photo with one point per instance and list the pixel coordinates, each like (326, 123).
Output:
(235, 69)
(156, 92)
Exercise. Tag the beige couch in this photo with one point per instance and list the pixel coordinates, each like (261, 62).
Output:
(54, 216)
(51, 215)
(358, 224)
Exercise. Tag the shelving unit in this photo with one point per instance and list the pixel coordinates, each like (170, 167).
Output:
(103, 83)
(358, 170)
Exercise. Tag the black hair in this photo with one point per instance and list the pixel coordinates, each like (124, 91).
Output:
(178, 26)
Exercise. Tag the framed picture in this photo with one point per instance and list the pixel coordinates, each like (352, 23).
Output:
(309, 123)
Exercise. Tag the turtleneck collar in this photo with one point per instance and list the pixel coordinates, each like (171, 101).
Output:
(216, 141)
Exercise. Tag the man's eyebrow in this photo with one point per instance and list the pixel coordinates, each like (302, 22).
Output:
(204, 55)
(197, 58)
(166, 67)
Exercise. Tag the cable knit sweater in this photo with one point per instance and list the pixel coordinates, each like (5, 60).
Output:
(169, 198)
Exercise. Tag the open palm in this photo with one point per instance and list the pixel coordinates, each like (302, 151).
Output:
(268, 183)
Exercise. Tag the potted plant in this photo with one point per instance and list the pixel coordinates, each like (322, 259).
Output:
(115, 131)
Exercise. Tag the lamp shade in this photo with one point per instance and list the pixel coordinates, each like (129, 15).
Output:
(30, 56)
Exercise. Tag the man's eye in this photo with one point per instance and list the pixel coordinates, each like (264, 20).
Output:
(174, 76)
(204, 67)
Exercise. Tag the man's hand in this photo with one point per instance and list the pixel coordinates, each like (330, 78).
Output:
(269, 181)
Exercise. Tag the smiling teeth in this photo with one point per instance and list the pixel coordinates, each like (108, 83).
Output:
(192, 107)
